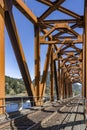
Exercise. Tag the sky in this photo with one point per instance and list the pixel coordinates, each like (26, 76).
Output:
(26, 33)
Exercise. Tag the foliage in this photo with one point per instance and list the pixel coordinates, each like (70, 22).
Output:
(14, 86)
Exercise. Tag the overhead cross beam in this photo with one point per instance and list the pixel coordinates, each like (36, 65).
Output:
(62, 9)
(25, 11)
(50, 9)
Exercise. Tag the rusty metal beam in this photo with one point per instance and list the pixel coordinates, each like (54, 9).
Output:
(50, 9)
(49, 42)
(64, 31)
(68, 12)
(50, 31)
(85, 44)
(56, 80)
(17, 47)
(37, 61)
(62, 89)
(25, 11)
(73, 32)
(61, 26)
(51, 77)
(67, 37)
(83, 70)
(65, 41)
(2, 59)
(62, 9)
(59, 79)
(49, 3)
(46, 13)
(66, 87)
(60, 21)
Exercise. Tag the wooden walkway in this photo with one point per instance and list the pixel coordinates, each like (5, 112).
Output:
(71, 117)
(60, 115)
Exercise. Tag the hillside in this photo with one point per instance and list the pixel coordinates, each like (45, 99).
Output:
(16, 86)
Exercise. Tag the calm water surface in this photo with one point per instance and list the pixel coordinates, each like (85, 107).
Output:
(13, 106)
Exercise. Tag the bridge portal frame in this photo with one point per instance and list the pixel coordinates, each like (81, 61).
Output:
(54, 58)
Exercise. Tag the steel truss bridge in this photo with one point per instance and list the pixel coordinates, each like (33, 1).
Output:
(66, 61)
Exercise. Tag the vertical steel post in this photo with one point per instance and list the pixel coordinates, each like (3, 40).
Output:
(61, 84)
(2, 59)
(37, 61)
(85, 42)
(70, 90)
(51, 77)
(56, 81)
(83, 69)
(59, 79)
(67, 89)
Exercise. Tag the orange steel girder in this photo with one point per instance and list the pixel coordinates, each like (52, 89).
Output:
(85, 53)
(2, 59)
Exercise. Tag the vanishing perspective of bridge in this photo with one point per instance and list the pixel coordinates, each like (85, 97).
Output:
(66, 56)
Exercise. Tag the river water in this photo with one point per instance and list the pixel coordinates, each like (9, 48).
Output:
(13, 106)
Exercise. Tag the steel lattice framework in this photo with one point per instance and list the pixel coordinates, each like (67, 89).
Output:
(67, 62)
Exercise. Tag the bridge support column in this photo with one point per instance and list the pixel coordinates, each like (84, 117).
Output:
(37, 64)
(2, 61)
(65, 91)
(67, 88)
(64, 86)
(65, 82)
(83, 71)
(61, 84)
(56, 81)
(59, 79)
(51, 77)
(85, 53)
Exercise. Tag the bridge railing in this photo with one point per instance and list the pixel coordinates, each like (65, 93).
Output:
(15, 103)
(8, 104)
(2, 105)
